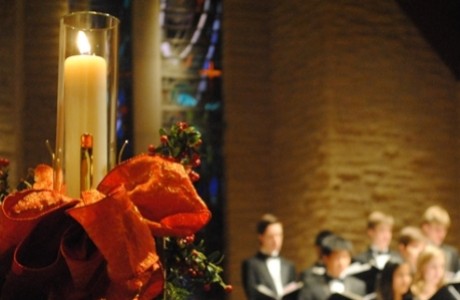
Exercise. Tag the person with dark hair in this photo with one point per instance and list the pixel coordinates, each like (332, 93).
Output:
(318, 266)
(319, 243)
(394, 281)
(336, 255)
(267, 275)
(411, 242)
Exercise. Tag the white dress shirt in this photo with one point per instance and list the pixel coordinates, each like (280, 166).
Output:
(274, 267)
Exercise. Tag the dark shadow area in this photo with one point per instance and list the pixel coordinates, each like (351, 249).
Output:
(439, 23)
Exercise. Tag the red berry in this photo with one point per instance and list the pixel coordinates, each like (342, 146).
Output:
(207, 287)
(182, 125)
(194, 176)
(151, 149)
(196, 162)
(228, 288)
(4, 162)
(164, 139)
(192, 272)
(190, 239)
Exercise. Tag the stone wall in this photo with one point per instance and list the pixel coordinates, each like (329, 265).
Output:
(358, 113)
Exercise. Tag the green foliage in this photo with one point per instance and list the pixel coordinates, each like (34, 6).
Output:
(189, 270)
(181, 144)
(175, 292)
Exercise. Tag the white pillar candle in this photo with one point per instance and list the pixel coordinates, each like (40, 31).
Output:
(85, 111)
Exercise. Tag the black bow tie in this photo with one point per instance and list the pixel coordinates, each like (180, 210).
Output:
(266, 256)
(381, 252)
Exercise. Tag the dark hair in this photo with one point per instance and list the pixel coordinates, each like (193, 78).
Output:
(265, 221)
(385, 279)
(321, 235)
(334, 243)
(410, 234)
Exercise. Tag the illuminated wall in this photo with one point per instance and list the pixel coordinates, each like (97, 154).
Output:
(334, 109)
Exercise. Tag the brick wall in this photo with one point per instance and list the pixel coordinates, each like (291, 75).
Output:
(10, 81)
(41, 33)
(249, 121)
(28, 81)
(358, 114)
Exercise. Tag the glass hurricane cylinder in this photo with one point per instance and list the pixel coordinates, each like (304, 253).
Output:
(86, 103)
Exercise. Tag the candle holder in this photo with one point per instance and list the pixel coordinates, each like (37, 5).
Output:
(86, 103)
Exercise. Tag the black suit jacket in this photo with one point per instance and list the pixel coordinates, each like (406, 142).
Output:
(367, 257)
(255, 272)
(316, 287)
(449, 291)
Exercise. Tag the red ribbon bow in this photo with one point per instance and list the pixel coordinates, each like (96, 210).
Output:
(103, 244)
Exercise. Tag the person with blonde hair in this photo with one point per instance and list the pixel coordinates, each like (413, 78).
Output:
(435, 225)
(380, 234)
(430, 274)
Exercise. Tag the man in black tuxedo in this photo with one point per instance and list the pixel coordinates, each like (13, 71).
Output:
(380, 233)
(266, 275)
(337, 258)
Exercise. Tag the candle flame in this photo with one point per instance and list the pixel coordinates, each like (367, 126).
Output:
(83, 43)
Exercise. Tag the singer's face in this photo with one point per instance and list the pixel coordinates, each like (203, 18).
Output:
(271, 240)
(381, 236)
(434, 270)
(402, 279)
(436, 233)
(337, 262)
